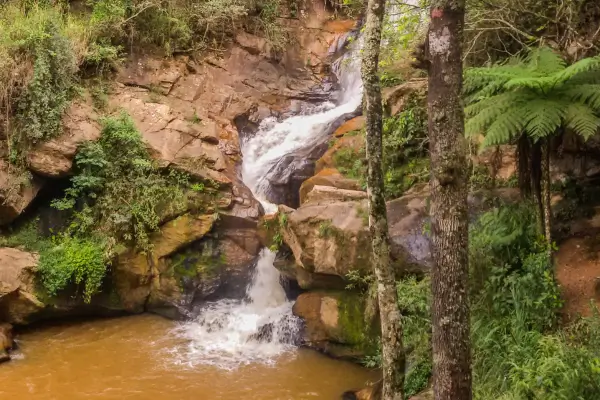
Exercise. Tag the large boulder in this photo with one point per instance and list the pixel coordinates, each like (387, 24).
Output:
(17, 191)
(327, 177)
(329, 236)
(18, 300)
(138, 275)
(335, 322)
(54, 158)
(352, 125)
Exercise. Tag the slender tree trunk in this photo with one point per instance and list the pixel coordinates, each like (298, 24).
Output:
(391, 325)
(449, 217)
(535, 169)
(545, 195)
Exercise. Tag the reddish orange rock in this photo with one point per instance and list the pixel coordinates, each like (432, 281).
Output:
(354, 124)
(339, 26)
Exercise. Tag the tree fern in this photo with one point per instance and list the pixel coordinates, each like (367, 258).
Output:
(536, 95)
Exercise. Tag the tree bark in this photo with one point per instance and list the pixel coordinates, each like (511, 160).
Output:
(393, 358)
(545, 195)
(449, 223)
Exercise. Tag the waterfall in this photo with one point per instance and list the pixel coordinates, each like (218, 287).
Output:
(228, 333)
(297, 135)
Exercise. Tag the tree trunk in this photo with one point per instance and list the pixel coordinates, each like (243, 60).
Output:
(449, 223)
(391, 325)
(545, 195)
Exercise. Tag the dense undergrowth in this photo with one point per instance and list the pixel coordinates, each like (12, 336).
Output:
(117, 199)
(520, 350)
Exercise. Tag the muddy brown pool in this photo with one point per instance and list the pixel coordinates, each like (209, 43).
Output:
(140, 358)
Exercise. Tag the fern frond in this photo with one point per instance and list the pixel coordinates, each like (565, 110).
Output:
(582, 120)
(588, 94)
(543, 117)
(581, 66)
(539, 84)
(502, 100)
(507, 126)
(588, 77)
(545, 61)
(476, 79)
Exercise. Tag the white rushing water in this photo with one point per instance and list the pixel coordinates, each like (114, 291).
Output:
(229, 333)
(295, 135)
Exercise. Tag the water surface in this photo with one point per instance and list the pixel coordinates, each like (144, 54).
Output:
(142, 357)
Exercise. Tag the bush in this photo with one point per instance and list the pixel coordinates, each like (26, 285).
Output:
(186, 25)
(511, 269)
(73, 260)
(64, 260)
(518, 351)
(39, 51)
(119, 191)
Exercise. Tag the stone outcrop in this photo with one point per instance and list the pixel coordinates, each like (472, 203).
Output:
(17, 191)
(138, 275)
(327, 177)
(335, 323)
(18, 301)
(54, 158)
(395, 98)
(328, 234)
(348, 143)
(355, 124)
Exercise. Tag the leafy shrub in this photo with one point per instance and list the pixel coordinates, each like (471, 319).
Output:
(513, 271)
(64, 260)
(46, 96)
(118, 190)
(518, 352)
(185, 25)
(73, 260)
(40, 52)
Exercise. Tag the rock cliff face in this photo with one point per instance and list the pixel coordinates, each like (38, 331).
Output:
(189, 110)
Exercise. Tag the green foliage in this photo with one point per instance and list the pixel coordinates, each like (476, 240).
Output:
(497, 29)
(351, 163)
(405, 148)
(47, 94)
(518, 353)
(404, 24)
(537, 96)
(326, 229)
(405, 151)
(73, 260)
(417, 378)
(64, 260)
(511, 270)
(185, 25)
(277, 242)
(39, 60)
(414, 298)
(118, 190)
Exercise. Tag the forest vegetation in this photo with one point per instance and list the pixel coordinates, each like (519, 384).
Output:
(531, 77)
